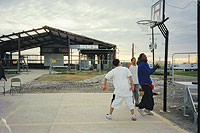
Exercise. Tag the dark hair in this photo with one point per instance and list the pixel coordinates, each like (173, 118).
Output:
(133, 58)
(140, 58)
(115, 62)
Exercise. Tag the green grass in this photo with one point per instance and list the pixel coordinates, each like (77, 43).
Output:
(183, 73)
(11, 72)
(192, 73)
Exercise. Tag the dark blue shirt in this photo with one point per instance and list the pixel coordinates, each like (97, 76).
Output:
(144, 72)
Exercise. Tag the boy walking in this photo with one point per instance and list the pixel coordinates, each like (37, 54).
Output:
(123, 84)
(134, 71)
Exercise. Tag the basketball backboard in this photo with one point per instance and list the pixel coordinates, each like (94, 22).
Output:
(157, 11)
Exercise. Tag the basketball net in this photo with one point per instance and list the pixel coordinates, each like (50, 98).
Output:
(145, 25)
(144, 28)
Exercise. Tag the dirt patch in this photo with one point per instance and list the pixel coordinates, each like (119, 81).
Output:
(79, 76)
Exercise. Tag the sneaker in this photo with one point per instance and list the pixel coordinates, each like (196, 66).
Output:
(108, 116)
(141, 111)
(148, 112)
(134, 117)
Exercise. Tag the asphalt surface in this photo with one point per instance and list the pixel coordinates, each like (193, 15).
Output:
(74, 112)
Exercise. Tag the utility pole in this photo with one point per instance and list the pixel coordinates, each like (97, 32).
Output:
(153, 45)
(132, 49)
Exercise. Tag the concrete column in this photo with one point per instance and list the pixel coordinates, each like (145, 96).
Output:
(10, 58)
(19, 53)
(68, 42)
(79, 60)
(114, 53)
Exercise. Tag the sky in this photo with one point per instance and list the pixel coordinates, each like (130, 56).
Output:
(113, 21)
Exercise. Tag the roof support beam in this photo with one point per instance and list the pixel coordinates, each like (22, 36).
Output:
(33, 38)
(40, 35)
(28, 41)
(13, 34)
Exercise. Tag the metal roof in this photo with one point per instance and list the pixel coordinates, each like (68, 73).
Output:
(46, 36)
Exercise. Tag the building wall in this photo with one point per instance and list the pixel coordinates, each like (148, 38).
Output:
(59, 59)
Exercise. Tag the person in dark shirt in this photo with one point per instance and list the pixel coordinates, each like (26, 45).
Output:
(2, 73)
(144, 72)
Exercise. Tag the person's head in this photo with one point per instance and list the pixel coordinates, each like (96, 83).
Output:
(116, 62)
(142, 58)
(133, 61)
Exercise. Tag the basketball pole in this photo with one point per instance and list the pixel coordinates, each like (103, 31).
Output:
(165, 34)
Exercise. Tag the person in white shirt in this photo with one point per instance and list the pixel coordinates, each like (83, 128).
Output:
(134, 71)
(123, 84)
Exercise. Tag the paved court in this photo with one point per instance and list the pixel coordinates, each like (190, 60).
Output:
(74, 112)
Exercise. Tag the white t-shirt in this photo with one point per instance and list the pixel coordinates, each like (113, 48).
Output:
(121, 81)
(134, 72)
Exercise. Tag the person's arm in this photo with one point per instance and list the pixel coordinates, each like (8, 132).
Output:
(147, 70)
(156, 67)
(109, 75)
(130, 79)
(132, 86)
(105, 83)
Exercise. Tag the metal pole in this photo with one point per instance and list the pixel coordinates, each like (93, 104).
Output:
(173, 68)
(165, 73)
(163, 10)
(153, 45)
(173, 62)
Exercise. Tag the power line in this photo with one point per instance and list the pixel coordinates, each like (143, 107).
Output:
(180, 7)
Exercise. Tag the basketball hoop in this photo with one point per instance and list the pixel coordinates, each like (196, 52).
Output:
(146, 24)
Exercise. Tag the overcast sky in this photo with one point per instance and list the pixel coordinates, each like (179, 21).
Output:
(111, 21)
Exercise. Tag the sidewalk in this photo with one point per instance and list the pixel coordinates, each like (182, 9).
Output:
(75, 113)
(26, 77)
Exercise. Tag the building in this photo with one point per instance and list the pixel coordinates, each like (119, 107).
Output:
(55, 46)
(186, 67)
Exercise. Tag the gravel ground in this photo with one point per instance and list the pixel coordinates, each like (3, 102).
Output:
(94, 85)
(175, 114)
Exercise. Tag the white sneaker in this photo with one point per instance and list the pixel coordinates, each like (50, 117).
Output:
(141, 111)
(134, 117)
(148, 112)
(108, 116)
